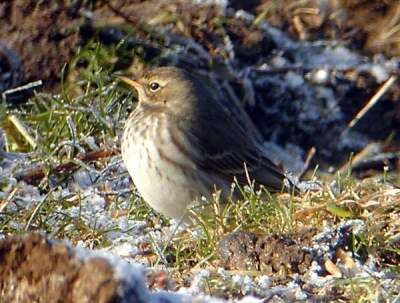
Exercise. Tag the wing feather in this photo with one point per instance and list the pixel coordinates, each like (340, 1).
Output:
(228, 152)
(223, 140)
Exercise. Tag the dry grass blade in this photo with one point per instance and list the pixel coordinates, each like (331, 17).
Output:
(375, 98)
(22, 130)
(360, 156)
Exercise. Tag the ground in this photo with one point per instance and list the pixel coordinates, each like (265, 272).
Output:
(303, 71)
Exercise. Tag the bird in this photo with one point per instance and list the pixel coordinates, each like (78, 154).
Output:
(182, 143)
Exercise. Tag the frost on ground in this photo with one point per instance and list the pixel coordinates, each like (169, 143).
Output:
(126, 240)
(61, 272)
(59, 269)
(298, 94)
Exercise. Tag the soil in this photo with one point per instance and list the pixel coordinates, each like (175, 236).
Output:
(44, 36)
(364, 25)
(278, 256)
(39, 38)
(51, 33)
(284, 256)
(34, 269)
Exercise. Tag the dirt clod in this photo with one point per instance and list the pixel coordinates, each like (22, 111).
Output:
(282, 254)
(34, 269)
(274, 255)
(237, 250)
(44, 35)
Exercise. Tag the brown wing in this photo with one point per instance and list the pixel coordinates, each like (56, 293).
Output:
(228, 149)
(234, 157)
(224, 140)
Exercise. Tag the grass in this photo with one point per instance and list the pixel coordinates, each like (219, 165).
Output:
(90, 105)
(88, 115)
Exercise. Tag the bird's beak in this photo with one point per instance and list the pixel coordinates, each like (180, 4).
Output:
(136, 85)
(131, 82)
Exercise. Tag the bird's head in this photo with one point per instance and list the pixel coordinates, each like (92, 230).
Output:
(165, 87)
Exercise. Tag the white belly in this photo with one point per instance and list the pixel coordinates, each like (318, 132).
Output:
(168, 188)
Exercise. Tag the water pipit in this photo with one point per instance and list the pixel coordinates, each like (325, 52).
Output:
(181, 143)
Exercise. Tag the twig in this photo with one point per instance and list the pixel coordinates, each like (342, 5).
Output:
(247, 175)
(4, 203)
(28, 86)
(37, 173)
(310, 155)
(375, 98)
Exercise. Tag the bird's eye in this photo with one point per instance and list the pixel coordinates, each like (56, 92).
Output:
(154, 86)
